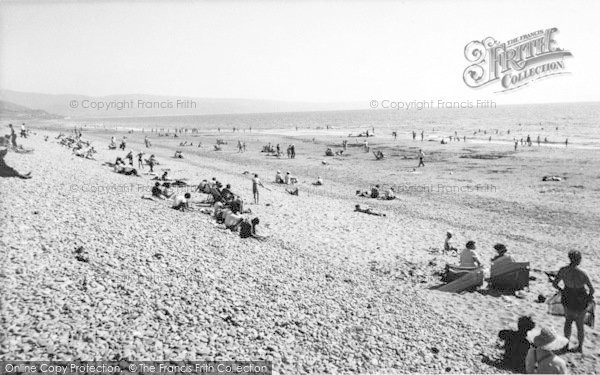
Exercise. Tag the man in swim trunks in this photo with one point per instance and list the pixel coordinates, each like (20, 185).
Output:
(574, 296)
(255, 184)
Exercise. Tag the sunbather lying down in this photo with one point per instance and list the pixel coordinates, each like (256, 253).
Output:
(369, 211)
(293, 191)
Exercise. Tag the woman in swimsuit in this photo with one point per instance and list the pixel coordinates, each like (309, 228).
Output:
(574, 296)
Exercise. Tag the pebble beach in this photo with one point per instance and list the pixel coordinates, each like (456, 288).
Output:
(93, 272)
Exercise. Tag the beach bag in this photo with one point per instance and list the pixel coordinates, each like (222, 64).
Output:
(555, 307)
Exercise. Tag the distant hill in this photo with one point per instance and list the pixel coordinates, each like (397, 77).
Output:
(134, 105)
(15, 111)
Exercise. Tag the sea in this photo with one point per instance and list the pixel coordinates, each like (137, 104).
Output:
(553, 123)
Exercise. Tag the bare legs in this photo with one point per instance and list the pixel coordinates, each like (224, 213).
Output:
(578, 319)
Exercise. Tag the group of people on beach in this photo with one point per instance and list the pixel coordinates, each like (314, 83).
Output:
(228, 207)
(575, 290)
(537, 351)
(376, 192)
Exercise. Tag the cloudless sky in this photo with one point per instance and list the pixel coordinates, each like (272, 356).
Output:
(316, 51)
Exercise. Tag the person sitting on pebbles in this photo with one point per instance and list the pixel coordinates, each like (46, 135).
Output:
(279, 178)
(226, 193)
(468, 257)
(121, 167)
(157, 191)
(389, 194)
(181, 202)
(203, 187)
(516, 344)
(448, 243)
(375, 192)
(502, 257)
(369, 211)
(167, 191)
(231, 220)
(319, 181)
(248, 229)
(541, 358)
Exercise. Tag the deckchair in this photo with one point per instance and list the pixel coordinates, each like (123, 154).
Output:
(509, 276)
(469, 280)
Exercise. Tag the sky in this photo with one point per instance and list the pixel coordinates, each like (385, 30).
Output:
(312, 51)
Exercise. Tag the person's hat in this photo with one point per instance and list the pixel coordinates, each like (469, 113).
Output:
(278, 171)
(470, 244)
(500, 248)
(546, 339)
(287, 172)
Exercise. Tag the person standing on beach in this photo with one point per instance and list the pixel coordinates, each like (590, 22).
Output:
(566, 142)
(422, 135)
(129, 157)
(421, 156)
(516, 144)
(414, 134)
(13, 136)
(574, 296)
(255, 184)
(140, 160)
(151, 163)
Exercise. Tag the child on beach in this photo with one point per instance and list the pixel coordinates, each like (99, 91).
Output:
(421, 155)
(448, 244)
(151, 163)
